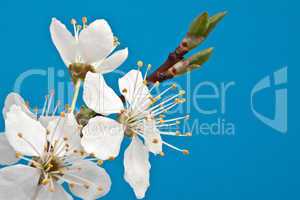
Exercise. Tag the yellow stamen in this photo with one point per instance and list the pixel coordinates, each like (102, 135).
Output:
(100, 162)
(162, 154)
(111, 158)
(73, 21)
(186, 152)
(140, 63)
(62, 114)
(18, 155)
(155, 141)
(84, 20)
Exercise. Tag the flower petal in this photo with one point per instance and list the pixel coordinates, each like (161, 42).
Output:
(24, 134)
(152, 136)
(19, 182)
(137, 167)
(112, 62)
(45, 120)
(102, 137)
(58, 194)
(94, 180)
(65, 43)
(66, 132)
(99, 97)
(133, 88)
(96, 41)
(15, 99)
(7, 153)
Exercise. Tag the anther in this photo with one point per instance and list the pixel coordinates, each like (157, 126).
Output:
(162, 116)
(162, 154)
(116, 41)
(84, 20)
(181, 92)
(124, 90)
(174, 86)
(62, 114)
(18, 155)
(20, 135)
(45, 181)
(140, 63)
(73, 21)
(153, 100)
(100, 162)
(111, 158)
(82, 153)
(155, 141)
(186, 152)
(188, 134)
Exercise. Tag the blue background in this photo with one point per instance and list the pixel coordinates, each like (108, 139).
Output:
(255, 39)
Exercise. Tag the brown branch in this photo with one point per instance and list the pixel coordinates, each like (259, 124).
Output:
(198, 31)
(174, 57)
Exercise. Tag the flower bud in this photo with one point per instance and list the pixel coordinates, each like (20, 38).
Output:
(199, 25)
(213, 21)
(199, 58)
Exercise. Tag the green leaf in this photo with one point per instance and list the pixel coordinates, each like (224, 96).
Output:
(199, 25)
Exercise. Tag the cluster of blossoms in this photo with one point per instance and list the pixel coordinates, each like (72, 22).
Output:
(43, 150)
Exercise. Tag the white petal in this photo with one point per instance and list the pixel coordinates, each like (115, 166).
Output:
(132, 87)
(96, 41)
(152, 136)
(137, 167)
(64, 41)
(112, 62)
(7, 153)
(45, 120)
(103, 137)
(95, 177)
(33, 133)
(15, 99)
(58, 194)
(99, 97)
(19, 182)
(66, 131)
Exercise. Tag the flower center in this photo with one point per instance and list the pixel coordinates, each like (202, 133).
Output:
(52, 166)
(78, 71)
(129, 121)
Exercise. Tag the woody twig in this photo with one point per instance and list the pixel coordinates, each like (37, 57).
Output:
(176, 63)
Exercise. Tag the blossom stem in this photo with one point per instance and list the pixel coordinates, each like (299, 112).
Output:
(75, 96)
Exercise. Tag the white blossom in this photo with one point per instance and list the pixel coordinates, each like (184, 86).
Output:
(91, 45)
(142, 117)
(53, 155)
